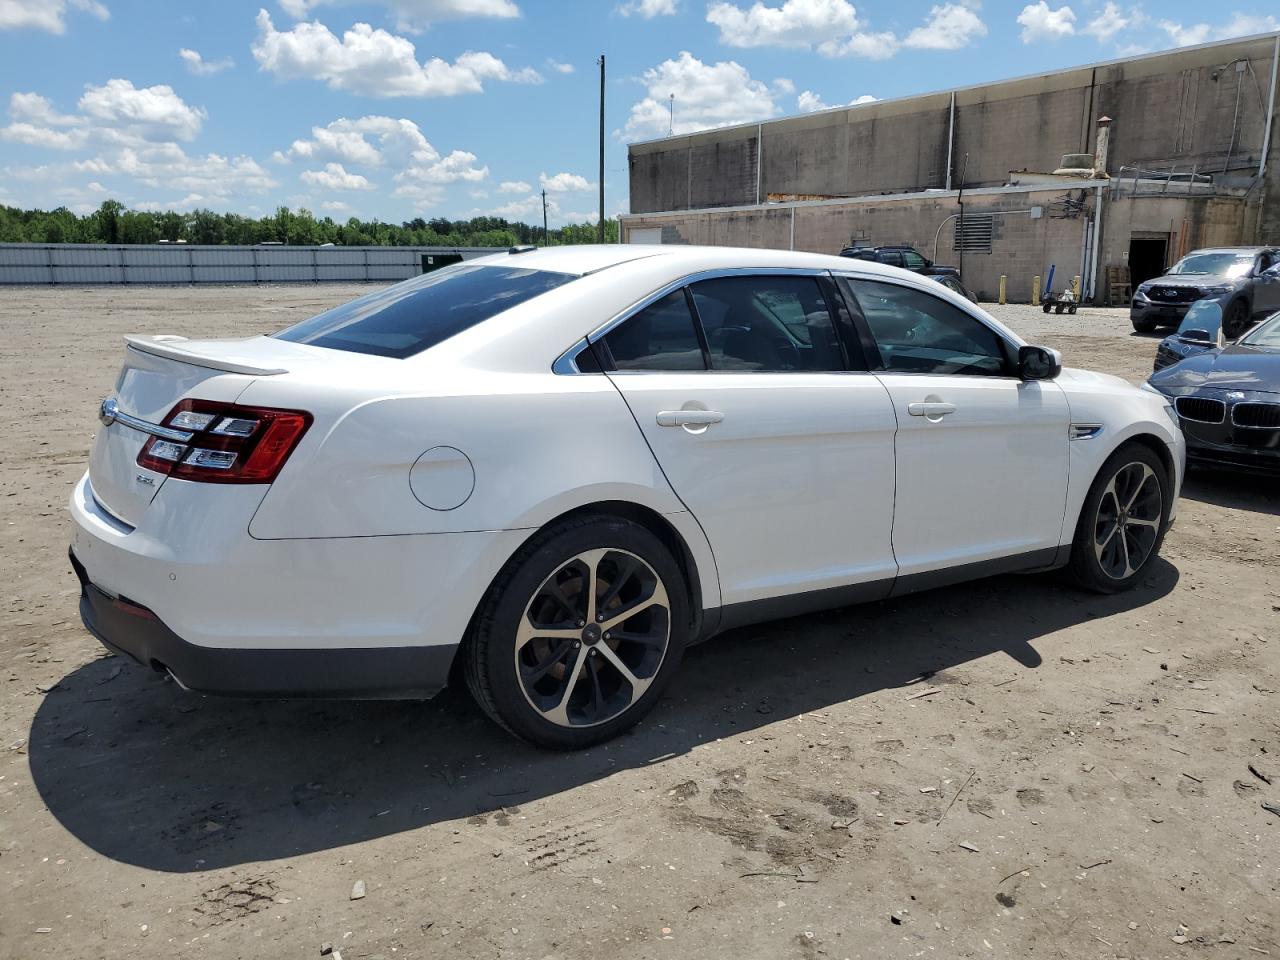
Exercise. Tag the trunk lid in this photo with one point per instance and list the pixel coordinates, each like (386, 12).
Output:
(157, 373)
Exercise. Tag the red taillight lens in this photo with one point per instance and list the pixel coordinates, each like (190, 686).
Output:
(229, 443)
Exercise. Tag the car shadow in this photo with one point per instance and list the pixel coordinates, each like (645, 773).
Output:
(146, 774)
(1233, 489)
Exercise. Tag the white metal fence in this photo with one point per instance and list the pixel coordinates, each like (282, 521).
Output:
(73, 263)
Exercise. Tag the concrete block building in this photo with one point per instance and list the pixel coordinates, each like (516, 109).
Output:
(1104, 170)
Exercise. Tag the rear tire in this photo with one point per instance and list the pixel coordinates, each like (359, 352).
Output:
(555, 657)
(1123, 521)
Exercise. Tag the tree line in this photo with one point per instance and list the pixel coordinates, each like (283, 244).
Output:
(112, 222)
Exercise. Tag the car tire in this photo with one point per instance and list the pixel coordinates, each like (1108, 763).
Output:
(1235, 320)
(1123, 521)
(1143, 324)
(552, 675)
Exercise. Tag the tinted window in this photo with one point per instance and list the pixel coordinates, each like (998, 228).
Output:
(767, 324)
(912, 260)
(891, 257)
(659, 337)
(410, 317)
(918, 333)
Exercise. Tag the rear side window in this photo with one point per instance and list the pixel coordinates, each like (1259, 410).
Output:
(410, 317)
(659, 337)
(767, 323)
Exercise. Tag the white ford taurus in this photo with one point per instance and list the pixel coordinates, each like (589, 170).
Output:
(549, 471)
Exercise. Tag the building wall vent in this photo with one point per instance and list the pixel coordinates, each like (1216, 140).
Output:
(973, 233)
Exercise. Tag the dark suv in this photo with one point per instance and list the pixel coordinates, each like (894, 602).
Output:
(1244, 281)
(900, 255)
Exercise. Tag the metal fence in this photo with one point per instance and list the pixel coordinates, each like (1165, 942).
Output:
(163, 263)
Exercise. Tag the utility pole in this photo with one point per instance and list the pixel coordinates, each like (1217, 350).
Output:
(671, 114)
(600, 212)
(546, 239)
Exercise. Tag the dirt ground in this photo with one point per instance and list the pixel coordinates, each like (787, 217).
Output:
(1009, 768)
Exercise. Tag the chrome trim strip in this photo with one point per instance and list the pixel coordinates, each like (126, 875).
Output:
(109, 412)
(567, 363)
(1085, 431)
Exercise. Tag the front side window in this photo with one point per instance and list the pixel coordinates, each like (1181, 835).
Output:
(916, 332)
(410, 317)
(767, 324)
(660, 337)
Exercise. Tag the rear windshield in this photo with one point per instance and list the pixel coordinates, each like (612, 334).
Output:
(412, 316)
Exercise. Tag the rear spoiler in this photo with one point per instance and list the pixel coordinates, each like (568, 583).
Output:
(170, 348)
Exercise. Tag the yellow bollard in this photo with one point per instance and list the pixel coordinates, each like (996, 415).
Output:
(1004, 281)
(1035, 291)
(1075, 285)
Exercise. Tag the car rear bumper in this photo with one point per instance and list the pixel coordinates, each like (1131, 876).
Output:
(191, 592)
(131, 629)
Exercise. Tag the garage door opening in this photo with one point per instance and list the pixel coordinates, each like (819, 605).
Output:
(1147, 257)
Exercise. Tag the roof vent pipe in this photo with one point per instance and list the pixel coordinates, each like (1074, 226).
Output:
(1104, 144)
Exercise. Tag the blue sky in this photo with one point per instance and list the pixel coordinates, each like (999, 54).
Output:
(401, 108)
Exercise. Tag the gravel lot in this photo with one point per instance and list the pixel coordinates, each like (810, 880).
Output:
(1079, 785)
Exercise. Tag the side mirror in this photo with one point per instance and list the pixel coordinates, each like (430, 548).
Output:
(1199, 336)
(1038, 363)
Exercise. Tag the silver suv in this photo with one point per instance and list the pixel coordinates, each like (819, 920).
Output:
(1245, 281)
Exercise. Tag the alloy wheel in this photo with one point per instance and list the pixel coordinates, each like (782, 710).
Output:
(593, 637)
(1128, 521)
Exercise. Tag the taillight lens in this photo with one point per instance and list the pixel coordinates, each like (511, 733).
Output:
(229, 443)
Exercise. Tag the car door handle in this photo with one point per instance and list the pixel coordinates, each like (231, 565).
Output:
(930, 408)
(688, 418)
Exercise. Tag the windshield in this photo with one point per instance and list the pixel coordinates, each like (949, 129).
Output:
(1266, 336)
(412, 316)
(1214, 264)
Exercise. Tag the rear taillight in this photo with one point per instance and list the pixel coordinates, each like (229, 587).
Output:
(229, 443)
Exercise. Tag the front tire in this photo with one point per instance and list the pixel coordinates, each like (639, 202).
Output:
(580, 633)
(1123, 521)
(1236, 321)
(1143, 324)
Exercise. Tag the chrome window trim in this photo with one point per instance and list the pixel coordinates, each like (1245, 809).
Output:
(566, 365)
(1255, 403)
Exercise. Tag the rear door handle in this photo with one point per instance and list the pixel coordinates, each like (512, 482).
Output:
(930, 408)
(688, 418)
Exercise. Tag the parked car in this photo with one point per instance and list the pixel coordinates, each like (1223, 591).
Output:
(952, 282)
(900, 255)
(1228, 399)
(548, 472)
(1244, 281)
(1199, 332)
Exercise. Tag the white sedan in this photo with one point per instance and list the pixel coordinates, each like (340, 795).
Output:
(549, 471)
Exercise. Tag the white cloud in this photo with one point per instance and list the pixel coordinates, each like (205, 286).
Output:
(460, 165)
(1109, 22)
(808, 102)
(1239, 25)
(148, 113)
(335, 206)
(116, 113)
(373, 62)
(200, 66)
(564, 182)
(647, 8)
(707, 95)
(335, 177)
(514, 186)
(559, 67)
(415, 15)
(834, 29)
(47, 15)
(167, 167)
(345, 140)
(949, 26)
(1040, 22)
